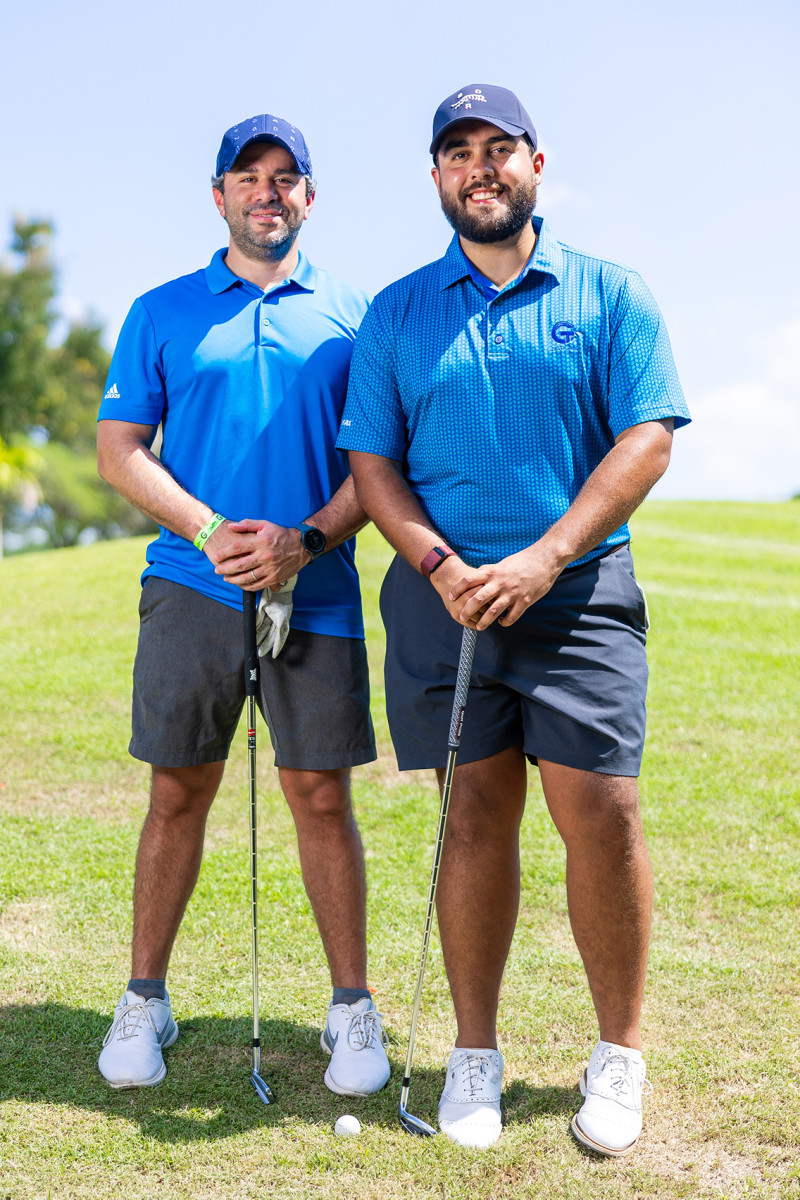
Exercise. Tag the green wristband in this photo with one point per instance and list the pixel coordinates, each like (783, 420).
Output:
(207, 530)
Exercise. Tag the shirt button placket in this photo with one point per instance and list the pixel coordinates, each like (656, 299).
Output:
(498, 342)
(264, 324)
(491, 328)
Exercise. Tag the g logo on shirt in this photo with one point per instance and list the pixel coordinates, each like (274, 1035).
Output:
(563, 332)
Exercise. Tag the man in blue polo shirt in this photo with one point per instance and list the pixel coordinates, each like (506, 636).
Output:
(509, 407)
(244, 368)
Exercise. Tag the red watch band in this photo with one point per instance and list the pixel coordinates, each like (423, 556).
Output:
(434, 558)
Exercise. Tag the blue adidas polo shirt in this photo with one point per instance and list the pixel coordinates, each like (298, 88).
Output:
(249, 388)
(501, 406)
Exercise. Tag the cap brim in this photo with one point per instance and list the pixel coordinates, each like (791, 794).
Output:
(266, 137)
(506, 127)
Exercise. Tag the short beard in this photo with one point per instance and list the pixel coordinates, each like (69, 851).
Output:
(475, 228)
(279, 245)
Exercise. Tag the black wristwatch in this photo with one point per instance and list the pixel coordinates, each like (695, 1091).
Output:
(314, 540)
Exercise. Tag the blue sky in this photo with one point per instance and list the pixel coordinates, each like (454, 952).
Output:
(669, 133)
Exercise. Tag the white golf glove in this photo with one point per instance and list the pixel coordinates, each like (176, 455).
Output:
(272, 618)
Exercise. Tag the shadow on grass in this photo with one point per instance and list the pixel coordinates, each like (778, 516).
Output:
(48, 1055)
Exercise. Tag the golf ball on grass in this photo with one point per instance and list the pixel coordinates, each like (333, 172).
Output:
(347, 1126)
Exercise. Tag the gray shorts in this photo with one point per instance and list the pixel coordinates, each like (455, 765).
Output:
(567, 681)
(188, 687)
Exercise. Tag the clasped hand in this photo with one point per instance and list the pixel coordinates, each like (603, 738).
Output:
(502, 591)
(256, 554)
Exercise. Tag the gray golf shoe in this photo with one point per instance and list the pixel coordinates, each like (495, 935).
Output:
(131, 1056)
(356, 1041)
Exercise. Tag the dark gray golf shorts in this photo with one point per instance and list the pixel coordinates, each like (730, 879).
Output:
(568, 680)
(188, 688)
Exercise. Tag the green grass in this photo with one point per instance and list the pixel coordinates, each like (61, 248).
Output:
(722, 1011)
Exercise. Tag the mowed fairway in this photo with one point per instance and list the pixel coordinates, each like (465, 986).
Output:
(722, 1012)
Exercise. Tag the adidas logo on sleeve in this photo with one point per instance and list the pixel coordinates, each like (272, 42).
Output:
(112, 393)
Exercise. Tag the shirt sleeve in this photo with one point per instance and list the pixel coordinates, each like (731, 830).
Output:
(373, 420)
(135, 386)
(643, 382)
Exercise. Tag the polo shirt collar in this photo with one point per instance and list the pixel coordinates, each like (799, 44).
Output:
(304, 275)
(547, 257)
(220, 277)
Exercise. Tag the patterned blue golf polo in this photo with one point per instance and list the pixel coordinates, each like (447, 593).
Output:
(249, 388)
(500, 408)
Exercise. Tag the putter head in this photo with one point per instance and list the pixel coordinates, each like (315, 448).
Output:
(261, 1088)
(414, 1125)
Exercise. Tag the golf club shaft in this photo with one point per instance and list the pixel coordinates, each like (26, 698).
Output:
(251, 683)
(459, 704)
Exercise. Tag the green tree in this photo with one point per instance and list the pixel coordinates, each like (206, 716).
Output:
(26, 318)
(77, 373)
(49, 395)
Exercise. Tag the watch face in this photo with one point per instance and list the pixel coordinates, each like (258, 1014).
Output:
(314, 541)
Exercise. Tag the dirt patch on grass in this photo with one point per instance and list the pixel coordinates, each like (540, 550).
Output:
(674, 1147)
(126, 800)
(28, 925)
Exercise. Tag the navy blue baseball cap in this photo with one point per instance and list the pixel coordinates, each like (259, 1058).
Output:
(263, 128)
(482, 102)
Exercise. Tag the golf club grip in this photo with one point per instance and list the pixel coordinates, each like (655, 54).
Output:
(250, 646)
(462, 686)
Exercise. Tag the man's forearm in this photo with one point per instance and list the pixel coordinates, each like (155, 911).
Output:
(124, 460)
(390, 503)
(341, 517)
(612, 493)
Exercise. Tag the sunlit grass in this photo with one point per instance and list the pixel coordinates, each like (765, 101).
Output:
(722, 1014)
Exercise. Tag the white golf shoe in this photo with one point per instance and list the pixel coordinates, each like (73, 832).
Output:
(356, 1041)
(131, 1055)
(610, 1120)
(469, 1108)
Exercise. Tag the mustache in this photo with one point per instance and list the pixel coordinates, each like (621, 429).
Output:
(272, 209)
(487, 186)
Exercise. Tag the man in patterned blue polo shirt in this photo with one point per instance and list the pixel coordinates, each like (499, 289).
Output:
(243, 366)
(510, 405)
